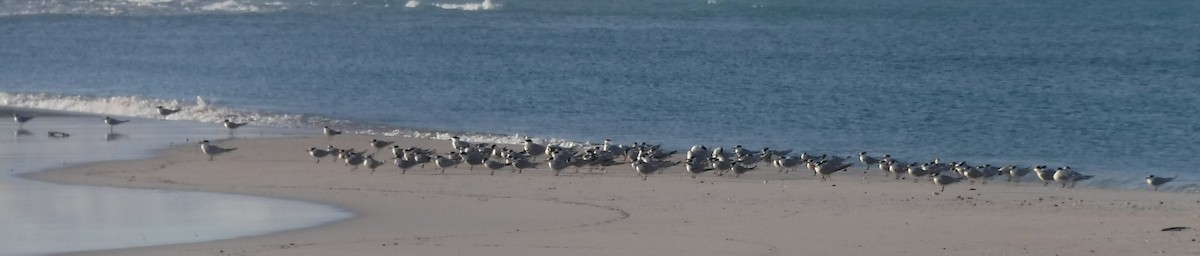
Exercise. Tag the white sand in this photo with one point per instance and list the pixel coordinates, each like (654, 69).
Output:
(471, 213)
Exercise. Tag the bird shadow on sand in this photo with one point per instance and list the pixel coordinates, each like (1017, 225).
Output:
(113, 136)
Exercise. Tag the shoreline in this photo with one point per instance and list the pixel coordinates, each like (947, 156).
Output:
(535, 213)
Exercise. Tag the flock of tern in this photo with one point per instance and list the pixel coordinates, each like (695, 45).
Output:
(648, 159)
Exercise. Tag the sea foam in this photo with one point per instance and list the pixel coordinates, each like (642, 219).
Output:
(202, 110)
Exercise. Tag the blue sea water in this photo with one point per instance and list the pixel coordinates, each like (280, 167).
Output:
(1109, 87)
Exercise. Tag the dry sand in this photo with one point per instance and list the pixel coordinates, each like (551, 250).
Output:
(616, 213)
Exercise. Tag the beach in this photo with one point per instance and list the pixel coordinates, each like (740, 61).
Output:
(763, 212)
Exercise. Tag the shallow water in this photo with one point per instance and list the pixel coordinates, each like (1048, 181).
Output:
(42, 218)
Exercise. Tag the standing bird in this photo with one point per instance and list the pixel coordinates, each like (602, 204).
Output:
(943, 180)
(211, 150)
(21, 120)
(371, 163)
(1158, 181)
(444, 162)
(738, 169)
(493, 165)
(232, 125)
(867, 160)
(917, 172)
(521, 163)
(696, 166)
(164, 112)
(113, 122)
(1065, 175)
(379, 144)
(405, 164)
(458, 144)
(1043, 174)
(557, 164)
(533, 149)
(353, 159)
(330, 132)
(318, 153)
(827, 168)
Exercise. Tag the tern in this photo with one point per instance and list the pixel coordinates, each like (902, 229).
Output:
(1015, 173)
(233, 125)
(318, 153)
(1043, 174)
(405, 164)
(738, 169)
(1154, 182)
(493, 165)
(828, 167)
(371, 163)
(867, 160)
(21, 120)
(457, 143)
(164, 112)
(897, 169)
(330, 132)
(696, 166)
(943, 180)
(113, 122)
(533, 149)
(444, 162)
(354, 159)
(520, 163)
(557, 164)
(379, 144)
(211, 150)
(1065, 175)
(787, 164)
(917, 172)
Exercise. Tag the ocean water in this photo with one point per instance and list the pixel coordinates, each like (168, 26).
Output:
(1111, 88)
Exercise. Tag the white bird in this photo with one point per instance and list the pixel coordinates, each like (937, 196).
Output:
(21, 120)
(738, 169)
(353, 159)
(557, 164)
(1014, 173)
(827, 168)
(318, 153)
(444, 162)
(644, 169)
(405, 164)
(379, 144)
(473, 158)
(897, 169)
(533, 149)
(164, 112)
(972, 173)
(458, 144)
(493, 165)
(917, 172)
(113, 122)
(1158, 181)
(786, 164)
(1065, 175)
(211, 150)
(696, 166)
(371, 163)
(867, 160)
(943, 180)
(1043, 174)
(330, 132)
(233, 125)
(520, 163)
